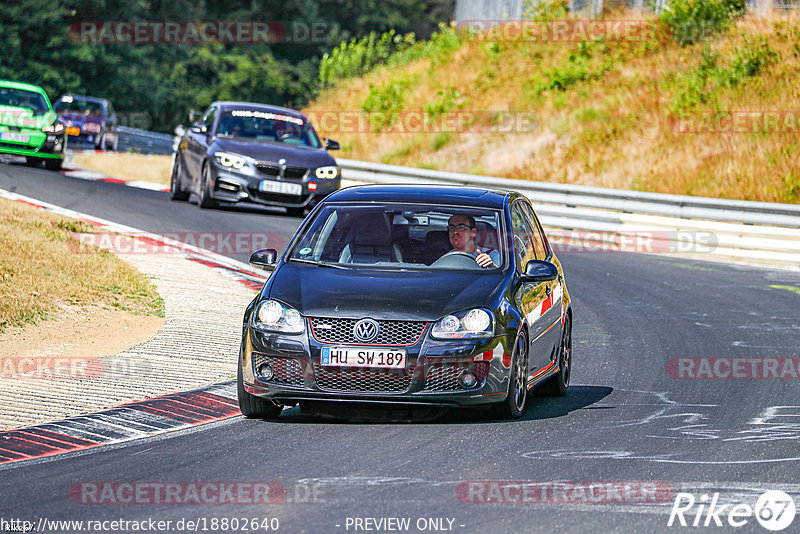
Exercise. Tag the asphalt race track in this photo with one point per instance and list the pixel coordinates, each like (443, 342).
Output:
(609, 457)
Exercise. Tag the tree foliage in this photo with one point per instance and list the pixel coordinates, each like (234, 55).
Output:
(154, 85)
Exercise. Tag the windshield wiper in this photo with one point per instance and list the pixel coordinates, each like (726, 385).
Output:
(319, 263)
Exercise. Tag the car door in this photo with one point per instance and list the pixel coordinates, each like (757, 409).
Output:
(551, 312)
(197, 145)
(529, 297)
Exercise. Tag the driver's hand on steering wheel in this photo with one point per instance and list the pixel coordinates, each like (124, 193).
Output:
(483, 259)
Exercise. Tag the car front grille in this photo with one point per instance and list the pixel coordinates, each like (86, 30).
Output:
(295, 173)
(443, 376)
(392, 333)
(15, 145)
(268, 169)
(287, 371)
(363, 380)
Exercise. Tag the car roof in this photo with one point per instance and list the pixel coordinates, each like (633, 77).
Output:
(23, 86)
(86, 98)
(225, 105)
(428, 194)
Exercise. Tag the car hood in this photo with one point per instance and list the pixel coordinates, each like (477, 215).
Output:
(354, 293)
(274, 151)
(25, 118)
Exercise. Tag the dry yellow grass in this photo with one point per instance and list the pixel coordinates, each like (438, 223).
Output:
(44, 268)
(616, 130)
(145, 167)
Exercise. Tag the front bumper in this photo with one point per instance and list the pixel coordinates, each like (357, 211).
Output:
(232, 186)
(40, 145)
(430, 377)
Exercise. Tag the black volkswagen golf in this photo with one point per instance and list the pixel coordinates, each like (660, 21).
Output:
(241, 151)
(409, 295)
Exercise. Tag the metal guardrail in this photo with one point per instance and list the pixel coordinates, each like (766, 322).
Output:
(760, 232)
(144, 141)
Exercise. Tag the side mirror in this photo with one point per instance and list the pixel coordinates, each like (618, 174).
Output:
(264, 259)
(199, 127)
(539, 271)
(330, 144)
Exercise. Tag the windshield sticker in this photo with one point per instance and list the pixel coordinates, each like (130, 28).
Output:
(265, 115)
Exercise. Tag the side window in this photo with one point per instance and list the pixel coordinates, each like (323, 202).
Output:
(523, 237)
(539, 242)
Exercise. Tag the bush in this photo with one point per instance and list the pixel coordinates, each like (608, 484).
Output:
(384, 103)
(700, 84)
(359, 56)
(691, 21)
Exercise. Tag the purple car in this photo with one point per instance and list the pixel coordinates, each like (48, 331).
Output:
(89, 120)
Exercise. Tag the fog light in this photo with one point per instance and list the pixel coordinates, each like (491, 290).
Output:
(265, 371)
(467, 380)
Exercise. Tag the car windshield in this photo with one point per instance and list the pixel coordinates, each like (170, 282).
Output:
(401, 236)
(21, 98)
(78, 106)
(268, 126)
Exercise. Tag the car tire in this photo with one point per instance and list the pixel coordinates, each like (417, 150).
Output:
(254, 407)
(296, 212)
(101, 142)
(557, 385)
(514, 405)
(32, 161)
(176, 191)
(205, 201)
(53, 164)
(113, 146)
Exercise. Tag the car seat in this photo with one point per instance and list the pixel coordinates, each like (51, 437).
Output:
(370, 241)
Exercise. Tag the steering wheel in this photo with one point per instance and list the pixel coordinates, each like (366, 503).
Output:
(456, 259)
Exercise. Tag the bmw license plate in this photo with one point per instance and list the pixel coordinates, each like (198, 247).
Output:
(282, 188)
(363, 357)
(11, 136)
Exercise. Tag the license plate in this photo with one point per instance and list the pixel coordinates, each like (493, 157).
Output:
(11, 136)
(73, 130)
(282, 188)
(363, 357)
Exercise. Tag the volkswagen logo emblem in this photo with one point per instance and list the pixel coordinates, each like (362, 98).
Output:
(281, 161)
(366, 330)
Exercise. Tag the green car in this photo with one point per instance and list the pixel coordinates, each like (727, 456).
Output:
(28, 125)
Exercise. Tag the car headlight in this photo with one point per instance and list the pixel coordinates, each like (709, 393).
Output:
(272, 315)
(230, 160)
(470, 324)
(91, 127)
(327, 173)
(54, 128)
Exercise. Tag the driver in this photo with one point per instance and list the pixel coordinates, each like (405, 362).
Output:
(235, 127)
(462, 230)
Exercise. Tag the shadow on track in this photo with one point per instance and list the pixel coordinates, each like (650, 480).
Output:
(578, 397)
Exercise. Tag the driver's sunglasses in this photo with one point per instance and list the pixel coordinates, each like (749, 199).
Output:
(458, 228)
